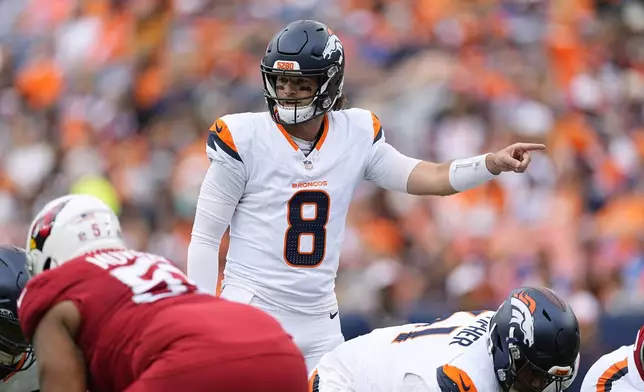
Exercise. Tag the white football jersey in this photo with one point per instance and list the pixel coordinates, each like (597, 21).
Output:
(449, 351)
(615, 372)
(286, 232)
(22, 381)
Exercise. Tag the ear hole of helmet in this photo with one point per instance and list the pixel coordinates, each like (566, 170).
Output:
(47, 264)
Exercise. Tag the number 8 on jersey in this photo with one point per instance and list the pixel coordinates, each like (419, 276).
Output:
(301, 226)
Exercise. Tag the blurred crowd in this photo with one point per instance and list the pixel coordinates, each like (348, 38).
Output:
(115, 97)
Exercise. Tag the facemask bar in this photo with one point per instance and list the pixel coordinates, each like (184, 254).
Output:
(528, 377)
(320, 103)
(13, 346)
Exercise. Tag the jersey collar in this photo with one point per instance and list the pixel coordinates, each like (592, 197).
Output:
(318, 142)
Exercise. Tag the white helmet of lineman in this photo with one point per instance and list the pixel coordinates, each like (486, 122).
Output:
(68, 227)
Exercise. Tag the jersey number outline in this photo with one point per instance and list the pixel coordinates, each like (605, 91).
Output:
(430, 329)
(298, 226)
(151, 279)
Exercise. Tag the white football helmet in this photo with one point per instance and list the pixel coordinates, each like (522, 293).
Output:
(68, 227)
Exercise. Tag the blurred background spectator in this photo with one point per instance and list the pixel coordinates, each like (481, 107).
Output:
(115, 98)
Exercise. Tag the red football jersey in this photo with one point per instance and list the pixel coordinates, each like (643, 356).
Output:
(135, 305)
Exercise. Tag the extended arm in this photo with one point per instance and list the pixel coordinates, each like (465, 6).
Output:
(394, 171)
(447, 178)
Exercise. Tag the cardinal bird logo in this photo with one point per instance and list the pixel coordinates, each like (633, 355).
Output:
(42, 228)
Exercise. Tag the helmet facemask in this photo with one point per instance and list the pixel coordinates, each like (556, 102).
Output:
(15, 353)
(524, 376)
(329, 81)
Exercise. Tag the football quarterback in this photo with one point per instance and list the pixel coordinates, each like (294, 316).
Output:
(283, 180)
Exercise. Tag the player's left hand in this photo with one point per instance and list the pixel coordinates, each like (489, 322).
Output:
(515, 158)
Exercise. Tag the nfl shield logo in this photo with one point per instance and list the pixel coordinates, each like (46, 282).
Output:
(308, 165)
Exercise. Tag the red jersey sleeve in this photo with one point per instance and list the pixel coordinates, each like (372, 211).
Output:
(42, 293)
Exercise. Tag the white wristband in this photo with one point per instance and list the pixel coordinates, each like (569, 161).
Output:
(469, 173)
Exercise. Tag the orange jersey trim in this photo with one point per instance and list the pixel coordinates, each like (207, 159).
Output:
(612, 374)
(314, 380)
(318, 145)
(454, 379)
(325, 132)
(223, 133)
(377, 127)
(220, 136)
(288, 137)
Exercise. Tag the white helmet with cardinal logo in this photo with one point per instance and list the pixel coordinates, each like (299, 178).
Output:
(68, 227)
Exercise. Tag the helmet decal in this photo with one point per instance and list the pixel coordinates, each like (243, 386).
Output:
(42, 228)
(333, 45)
(523, 307)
